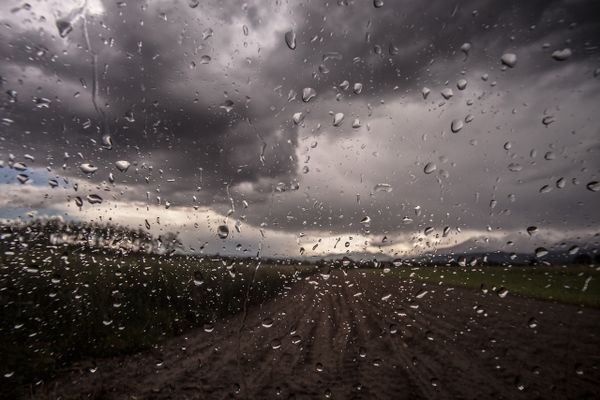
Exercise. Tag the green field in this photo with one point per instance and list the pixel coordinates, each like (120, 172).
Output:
(563, 284)
(65, 304)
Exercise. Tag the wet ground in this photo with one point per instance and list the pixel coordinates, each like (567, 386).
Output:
(359, 335)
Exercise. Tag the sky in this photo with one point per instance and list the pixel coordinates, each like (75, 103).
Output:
(392, 131)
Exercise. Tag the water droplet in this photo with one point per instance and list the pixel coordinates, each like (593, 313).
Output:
(267, 322)
(227, 105)
(509, 59)
(366, 220)
(593, 186)
(532, 323)
(356, 123)
(107, 142)
(19, 166)
(573, 250)
(198, 278)
(456, 125)
(208, 327)
(122, 165)
(275, 344)
(465, 48)
(205, 59)
(515, 167)
(540, 252)
(207, 33)
(290, 39)
(547, 120)
(64, 27)
(338, 119)
(425, 92)
(532, 230)
(23, 178)
(378, 3)
(223, 231)
(88, 168)
(502, 292)
(358, 87)
(308, 94)
(298, 118)
(545, 189)
(382, 187)
(562, 55)
(193, 3)
(447, 93)
(461, 84)
(94, 199)
(429, 168)
(362, 352)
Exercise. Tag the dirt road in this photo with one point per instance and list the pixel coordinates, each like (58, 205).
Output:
(364, 336)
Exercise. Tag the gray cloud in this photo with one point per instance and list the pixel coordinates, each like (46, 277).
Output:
(154, 72)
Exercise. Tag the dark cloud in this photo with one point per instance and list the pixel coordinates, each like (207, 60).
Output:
(162, 106)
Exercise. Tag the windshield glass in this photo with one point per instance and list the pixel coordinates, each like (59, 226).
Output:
(299, 199)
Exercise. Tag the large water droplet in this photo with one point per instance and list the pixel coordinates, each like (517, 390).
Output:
(456, 125)
(94, 199)
(562, 55)
(267, 322)
(122, 165)
(358, 87)
(461, 84)
(509, 59)
(447, 93)
(540, 252)
(593, 186)
(465, 48)
(227, 105)
(425, 92)
(88, 168)
(429, 168)
(338, 119)
(64, 27)
(308, 94)
(223, 231)
(290, 39)
(23, 178)
(298, 118)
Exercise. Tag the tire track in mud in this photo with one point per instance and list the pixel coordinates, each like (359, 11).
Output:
(335, 339)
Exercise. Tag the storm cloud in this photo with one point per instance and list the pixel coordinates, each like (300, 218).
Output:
(200, 98)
